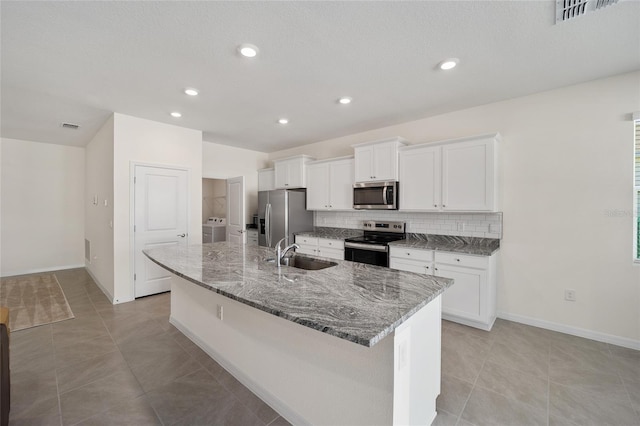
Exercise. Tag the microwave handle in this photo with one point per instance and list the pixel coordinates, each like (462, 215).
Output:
(385, 194)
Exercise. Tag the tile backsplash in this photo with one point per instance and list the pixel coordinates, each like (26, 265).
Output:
(488, 225)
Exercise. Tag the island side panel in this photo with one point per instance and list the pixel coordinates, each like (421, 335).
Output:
(309, 377)
(417, 366)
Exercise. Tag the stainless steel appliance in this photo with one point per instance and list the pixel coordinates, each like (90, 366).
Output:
(281, 213)
(373, 246)
(375, 195)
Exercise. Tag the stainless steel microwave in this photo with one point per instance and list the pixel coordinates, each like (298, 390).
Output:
(375, 195)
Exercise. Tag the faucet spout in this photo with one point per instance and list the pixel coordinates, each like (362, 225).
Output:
(281, 253)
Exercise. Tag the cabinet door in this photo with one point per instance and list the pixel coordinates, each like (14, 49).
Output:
(385, 161)
(281, 179)
(340, 180)
(364, 164)
(467, 176)
(464, 298)
(305, 249)
(296, 177)
(317, 187)
(266, 180)
(420, 179)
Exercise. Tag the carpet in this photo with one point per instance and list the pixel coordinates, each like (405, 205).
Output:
(33, 300)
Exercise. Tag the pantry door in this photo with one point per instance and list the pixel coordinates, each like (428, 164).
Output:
(235, 210)
(160, 219)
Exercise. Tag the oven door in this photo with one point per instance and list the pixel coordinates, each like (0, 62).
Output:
(366, 253)
(375, 195)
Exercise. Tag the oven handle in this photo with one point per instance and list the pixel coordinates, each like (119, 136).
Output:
(369, 247)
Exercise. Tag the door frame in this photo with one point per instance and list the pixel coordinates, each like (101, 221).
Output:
(132, 202)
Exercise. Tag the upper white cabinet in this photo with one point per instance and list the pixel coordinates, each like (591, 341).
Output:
(291, 172)
(377, 161)
(266, 179)
(457, 175)
(330, 184)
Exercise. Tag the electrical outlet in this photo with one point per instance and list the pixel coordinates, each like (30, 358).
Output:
(220, 312)
(570, 295)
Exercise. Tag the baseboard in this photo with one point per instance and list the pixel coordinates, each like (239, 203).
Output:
(274, 402)
(100, 286)
(39, 270)
(574, 331)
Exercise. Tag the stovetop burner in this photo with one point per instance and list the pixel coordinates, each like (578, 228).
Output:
(380, 233)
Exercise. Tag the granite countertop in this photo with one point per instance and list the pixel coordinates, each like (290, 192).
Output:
(467, 245)
(353, 301)
(331, 233)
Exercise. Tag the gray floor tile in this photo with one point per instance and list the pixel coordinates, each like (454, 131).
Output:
(454, 394)
(514, 384)
(463, 355)
(586, 408)
(192, 395)
(90, 370)
(535, 362)
(79, 351)
(445, 419)
(486, 407)
(33, 394)
(280, 421)
(99, 396)
(136, 412)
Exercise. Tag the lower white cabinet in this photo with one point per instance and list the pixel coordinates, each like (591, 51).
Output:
(323, 247)
(471, 300)
(252, 237)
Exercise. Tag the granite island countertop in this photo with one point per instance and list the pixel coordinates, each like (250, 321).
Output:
(353, 301)
(466, 245)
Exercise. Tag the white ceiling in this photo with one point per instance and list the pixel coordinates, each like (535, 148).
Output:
(79, 61)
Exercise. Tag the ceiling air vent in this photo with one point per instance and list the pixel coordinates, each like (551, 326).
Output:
(568, 9)
(70, 126)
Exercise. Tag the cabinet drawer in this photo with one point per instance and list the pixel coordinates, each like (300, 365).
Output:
(480, 262)
(306, 240)
(331, 253)
(411, 253)
(309, 250)
(417, 266)
(329, 243)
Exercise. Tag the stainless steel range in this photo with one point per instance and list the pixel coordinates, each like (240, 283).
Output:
(373, 246)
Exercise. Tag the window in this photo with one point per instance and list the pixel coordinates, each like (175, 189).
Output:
(636, 189)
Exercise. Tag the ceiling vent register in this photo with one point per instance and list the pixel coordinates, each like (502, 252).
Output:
(69, 126)
(569, 9)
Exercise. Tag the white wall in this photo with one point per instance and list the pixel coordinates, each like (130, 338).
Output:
(143, 141)
(566, 162)
(42, 208)
(224, 162)
(99, 218)
(214, 198)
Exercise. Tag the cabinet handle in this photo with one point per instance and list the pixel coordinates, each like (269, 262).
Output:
(444, 205)
(457, 260)
(435, 269)
(330, 205)
(435, 205)
(408, 254)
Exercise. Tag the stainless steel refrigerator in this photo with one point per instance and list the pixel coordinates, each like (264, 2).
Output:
(281, 213)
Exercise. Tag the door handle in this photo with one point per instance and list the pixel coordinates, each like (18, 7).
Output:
(182, 235)
(241, 231)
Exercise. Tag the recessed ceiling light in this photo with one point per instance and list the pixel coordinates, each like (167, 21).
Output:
(345, 100)
(248, 50)
(191, 91)
(283, 121)
(176, 114)
(448, 64)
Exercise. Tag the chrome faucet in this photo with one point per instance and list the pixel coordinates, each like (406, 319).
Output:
(281, 253)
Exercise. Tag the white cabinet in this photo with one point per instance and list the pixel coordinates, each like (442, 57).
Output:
(330, 185)
(471, 300)
(266, 180)
(323, 247)
(457, 175)
(291, 172)
(377, 161)
(252, 237)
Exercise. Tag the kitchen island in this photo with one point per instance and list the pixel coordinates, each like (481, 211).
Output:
(350, 344)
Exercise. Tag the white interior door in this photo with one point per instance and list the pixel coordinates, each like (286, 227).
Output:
(160, 219)
(235, 210)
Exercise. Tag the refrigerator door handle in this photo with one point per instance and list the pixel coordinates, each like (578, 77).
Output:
(267, 221)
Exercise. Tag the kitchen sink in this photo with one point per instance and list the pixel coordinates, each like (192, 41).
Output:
(306, 263)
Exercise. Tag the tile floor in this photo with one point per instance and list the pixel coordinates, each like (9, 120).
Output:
(126, 365)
